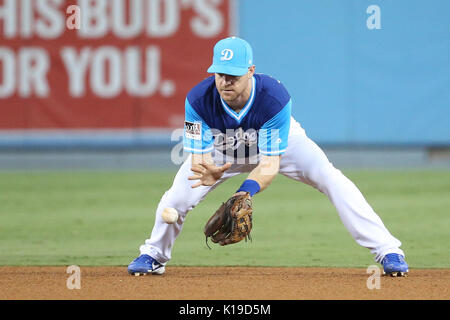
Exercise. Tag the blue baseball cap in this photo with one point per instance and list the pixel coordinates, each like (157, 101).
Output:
(232, 56)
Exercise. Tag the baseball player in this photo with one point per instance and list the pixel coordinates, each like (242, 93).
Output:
(238, 121)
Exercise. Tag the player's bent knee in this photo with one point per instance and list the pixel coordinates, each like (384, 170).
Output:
(180, 203)
(321, 177)
(182, 206)
(181, 200)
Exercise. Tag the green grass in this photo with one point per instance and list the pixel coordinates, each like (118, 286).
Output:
(101, 218)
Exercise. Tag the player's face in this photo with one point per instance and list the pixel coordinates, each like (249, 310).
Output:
(235, 90)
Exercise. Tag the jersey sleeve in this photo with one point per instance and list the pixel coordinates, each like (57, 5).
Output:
(273, 135)
(197, 137)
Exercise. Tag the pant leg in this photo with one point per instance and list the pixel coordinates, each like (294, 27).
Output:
(305, 161)
(183, 198)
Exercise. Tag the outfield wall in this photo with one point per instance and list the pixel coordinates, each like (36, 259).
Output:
(410, 158)
(360, 72)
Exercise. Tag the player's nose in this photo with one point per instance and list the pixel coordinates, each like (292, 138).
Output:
(229, 79)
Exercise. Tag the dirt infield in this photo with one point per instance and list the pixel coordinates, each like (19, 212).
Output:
(203, 283)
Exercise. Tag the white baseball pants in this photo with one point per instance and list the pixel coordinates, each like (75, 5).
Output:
(303, 161)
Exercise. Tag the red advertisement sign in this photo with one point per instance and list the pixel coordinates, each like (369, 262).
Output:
(100, 64)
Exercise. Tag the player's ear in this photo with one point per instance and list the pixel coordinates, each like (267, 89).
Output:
(251, 71)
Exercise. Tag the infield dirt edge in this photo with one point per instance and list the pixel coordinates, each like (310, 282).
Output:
(220, 283)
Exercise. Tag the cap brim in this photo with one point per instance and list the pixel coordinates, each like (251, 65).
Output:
(232, 71)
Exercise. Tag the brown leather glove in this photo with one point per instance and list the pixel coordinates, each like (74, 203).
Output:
(232, 222)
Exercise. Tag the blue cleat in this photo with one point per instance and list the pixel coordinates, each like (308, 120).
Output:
(145, 264)
(394, 264)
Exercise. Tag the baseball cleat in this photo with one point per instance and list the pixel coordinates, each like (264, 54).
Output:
(396, 274)
(394, 265)
(145, 264)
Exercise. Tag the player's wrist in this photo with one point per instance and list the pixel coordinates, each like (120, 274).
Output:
(250, 186)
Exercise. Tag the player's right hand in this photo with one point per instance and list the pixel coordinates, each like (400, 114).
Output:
(208, 174)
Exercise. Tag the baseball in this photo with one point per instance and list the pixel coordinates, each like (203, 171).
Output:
(170, 215)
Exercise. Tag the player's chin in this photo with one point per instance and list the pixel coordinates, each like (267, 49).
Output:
(228, 95)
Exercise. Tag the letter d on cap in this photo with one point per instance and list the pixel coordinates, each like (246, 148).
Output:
(227, 54)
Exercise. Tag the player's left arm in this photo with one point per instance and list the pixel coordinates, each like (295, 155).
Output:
(265, 171)
(272, 143)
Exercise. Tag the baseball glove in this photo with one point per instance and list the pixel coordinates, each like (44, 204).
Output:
(232, 222)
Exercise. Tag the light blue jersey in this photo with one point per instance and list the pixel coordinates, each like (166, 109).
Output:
(262, 126)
